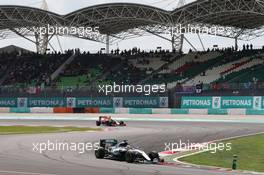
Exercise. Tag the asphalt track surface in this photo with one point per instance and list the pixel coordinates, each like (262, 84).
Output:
(18, 158)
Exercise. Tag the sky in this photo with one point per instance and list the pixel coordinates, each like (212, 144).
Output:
(145, 42)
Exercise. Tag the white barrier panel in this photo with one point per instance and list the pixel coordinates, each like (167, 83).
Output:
(41, 110)
(4, 110)
(121, 110)
(198, 111)
(236, 111)
(161, 111)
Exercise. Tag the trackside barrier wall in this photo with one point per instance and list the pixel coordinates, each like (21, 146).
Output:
(4, 110)
(140, 111)
(62, 110)
(121, 110)
(236, 111)
(254, 112)
(135, 111)
(19, 110)
(225, 102)
(161, 111)
(217, 112)
(86, 102)
(107, 110)
(78, 110)
(198, 111)
(92, 110)
(41, 110)
(179, 111)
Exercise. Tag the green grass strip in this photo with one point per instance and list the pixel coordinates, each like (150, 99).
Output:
(250, 152)
(5, 130)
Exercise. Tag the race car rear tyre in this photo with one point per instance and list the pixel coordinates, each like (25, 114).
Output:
(98, 123)
(154, 156)
(100, 153)
(130, 157)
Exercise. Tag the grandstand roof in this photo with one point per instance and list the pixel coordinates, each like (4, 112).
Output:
(246, 17)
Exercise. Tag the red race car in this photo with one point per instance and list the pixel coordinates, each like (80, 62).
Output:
(108, 121)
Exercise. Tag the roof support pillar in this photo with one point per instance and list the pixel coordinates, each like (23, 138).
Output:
(177, 42)
(42, 41)
(201, 41)
(107, 44)
(236, 44)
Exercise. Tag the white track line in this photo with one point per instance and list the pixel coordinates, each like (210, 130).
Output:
(24, 173)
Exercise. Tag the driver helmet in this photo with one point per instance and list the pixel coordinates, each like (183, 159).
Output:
(123, 144)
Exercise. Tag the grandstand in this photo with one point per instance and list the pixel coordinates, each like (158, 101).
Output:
(86, 71)
(234, 63)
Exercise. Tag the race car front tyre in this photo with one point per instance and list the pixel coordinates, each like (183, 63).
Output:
(108, 123)
(130, 157)
(100, 153)
(98, 123)
(154, 157)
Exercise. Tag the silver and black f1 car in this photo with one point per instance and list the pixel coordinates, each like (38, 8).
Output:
(122, 151)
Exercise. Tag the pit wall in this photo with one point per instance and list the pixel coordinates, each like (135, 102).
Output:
(134, 111)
